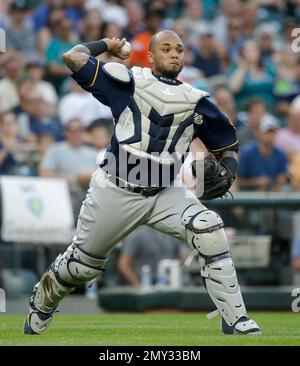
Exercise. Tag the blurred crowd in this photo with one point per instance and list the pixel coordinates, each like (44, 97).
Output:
(244, 53)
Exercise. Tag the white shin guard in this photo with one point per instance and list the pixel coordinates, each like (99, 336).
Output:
(207, 239)
(49, 292)
(70, 269)
(223, 288)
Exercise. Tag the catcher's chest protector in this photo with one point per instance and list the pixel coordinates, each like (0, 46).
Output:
(160, 118)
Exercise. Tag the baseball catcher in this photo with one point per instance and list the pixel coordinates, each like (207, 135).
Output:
(156, 119)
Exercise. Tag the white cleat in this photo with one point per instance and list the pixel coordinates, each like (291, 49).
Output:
(243, 326)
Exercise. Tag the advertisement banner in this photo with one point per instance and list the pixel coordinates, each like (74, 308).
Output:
(36, 210)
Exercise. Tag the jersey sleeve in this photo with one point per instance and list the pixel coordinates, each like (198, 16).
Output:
(216, 131)
(86, 76)
(111, 92)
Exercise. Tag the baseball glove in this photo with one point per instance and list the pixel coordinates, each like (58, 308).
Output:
(217, 178)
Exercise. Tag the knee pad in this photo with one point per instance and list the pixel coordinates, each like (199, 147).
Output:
(76, 267)
(205, 232)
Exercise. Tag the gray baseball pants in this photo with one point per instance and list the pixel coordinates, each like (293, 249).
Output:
(109, 213)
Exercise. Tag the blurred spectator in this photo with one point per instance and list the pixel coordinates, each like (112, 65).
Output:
(91, 26)
(135, 13)
(111, 30)
(74, 10)
(285, 87)
(35, 120)
(194, 21)
(11, 64)
(35, 70)
(235, 39)
(288, 26)
(267, 40)
(250, 78)
(99, 136)
(224, 61)
(83, 104)
(18, 36)
(191, 74)
(100, 133)
(25, 84)
(71, 160)
(44, 142)
(271, 10)
(263, 166)
(46, 33)
(225, 101)
(181, 29)
(110, 10)
(146, 246)
(296, 261)
(40, 16)
(4, 17)
(288, 139)
(14, 154)
(174, 9)
(249, 13)
(140, 43)
(249, 129)
(8, 142)
(292, 8)
(61, 43)
(229, 9)
(207, 58)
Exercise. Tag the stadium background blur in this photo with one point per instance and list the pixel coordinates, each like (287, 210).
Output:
(239, 51)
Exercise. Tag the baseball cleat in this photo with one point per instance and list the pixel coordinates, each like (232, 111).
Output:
(36, 321)
(243, 326)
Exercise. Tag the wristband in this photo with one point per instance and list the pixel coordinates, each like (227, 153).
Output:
(96, 47)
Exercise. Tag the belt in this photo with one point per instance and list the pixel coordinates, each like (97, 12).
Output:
(144, 191)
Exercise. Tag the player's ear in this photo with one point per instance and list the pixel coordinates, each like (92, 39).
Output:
(150, 57)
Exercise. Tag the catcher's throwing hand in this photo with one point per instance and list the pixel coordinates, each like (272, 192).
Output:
(114, 47)
(218, 176)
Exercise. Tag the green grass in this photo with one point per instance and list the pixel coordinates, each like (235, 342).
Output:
(152, 329)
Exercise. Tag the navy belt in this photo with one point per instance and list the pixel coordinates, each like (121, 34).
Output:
(144, 191)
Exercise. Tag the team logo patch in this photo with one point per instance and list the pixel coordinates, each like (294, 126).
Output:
(198, 119)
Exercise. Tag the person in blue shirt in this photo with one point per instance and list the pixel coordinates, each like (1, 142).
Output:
(60, 43)
(250, 77)
(263, 166)
(156, 119)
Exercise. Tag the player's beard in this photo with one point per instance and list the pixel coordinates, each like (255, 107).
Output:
(171, 73)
